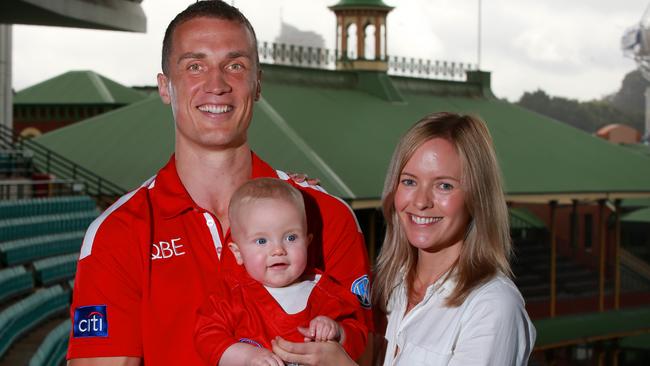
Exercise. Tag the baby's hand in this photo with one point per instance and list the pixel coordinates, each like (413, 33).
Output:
(264, 357)
(322, 328)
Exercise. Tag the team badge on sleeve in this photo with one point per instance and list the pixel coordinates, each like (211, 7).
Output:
(90, 321)
(361, 289)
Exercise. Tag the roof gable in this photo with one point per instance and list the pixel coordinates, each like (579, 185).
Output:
(78, 87)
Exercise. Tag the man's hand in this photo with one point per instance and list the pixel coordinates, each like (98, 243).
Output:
(321, 329)
(302, 177)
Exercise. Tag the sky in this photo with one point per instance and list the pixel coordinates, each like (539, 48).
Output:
(566, 48)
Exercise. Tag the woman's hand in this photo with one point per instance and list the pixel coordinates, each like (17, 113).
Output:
(312, 353)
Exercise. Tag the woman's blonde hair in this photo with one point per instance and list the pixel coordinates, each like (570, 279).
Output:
(486, 248)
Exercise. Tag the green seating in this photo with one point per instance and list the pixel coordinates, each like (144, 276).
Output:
(24, 227)
(29, 312)
(585, 328)
(29, 249)
(44, 206)
(55, 269)
(15, 281)
(6, 162)
(53, 349)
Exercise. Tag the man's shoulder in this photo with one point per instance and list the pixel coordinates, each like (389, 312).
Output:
(130, 205)
(328, 204)
(124, 215)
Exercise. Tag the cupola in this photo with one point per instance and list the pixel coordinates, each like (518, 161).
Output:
(361, 34)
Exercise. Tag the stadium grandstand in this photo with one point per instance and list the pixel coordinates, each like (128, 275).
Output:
(43, 217)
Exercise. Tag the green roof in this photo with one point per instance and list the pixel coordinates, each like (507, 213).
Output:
(642, 215)
(360, 4)
(522, 218)
(78, 87)
(639, 202)
(329, 125)
(640, 148)
(638, 342)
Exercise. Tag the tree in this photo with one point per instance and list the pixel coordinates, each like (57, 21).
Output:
(627, 106)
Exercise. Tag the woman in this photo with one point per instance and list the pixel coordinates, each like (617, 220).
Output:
(443, 271)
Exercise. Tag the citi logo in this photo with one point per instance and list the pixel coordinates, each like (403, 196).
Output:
(94, 323)
(90, 321)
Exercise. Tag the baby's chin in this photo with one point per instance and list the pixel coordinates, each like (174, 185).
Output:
(290, 281)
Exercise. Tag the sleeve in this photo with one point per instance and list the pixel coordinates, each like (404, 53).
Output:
(356, 336)
(344, 253)
(106, 305)
(497, 330)
(215, 325)
(343, 308)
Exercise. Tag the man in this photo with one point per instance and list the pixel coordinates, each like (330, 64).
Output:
(148, 262)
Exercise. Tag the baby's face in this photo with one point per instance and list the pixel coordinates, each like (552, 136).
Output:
(272, 238)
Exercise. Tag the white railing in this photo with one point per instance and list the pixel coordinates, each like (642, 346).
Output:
(322, 58)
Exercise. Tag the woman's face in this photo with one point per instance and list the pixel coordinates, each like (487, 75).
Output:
(430, 199)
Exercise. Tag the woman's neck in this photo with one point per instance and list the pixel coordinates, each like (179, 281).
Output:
(430, 267)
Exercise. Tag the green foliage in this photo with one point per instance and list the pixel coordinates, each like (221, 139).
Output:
(624, 107)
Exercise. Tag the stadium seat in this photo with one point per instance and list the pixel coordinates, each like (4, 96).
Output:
(24, 227)
(15, 281)
(12, 209)
(55, 269)
(52, 350)
(29, 312)
(30, 249)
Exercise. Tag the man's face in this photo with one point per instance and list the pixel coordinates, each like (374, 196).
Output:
(212, 83)
(271, 241)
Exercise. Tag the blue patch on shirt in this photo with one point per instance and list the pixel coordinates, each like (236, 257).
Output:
(361, 289)
(251, 342)
(90, 321)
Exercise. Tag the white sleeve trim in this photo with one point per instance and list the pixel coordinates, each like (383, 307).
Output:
(89, 238)
(284, 176)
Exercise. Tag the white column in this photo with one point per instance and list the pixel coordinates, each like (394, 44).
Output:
(646, 133)
(6, 96)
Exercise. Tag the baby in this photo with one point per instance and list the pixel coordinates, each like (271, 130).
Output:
(278, 296)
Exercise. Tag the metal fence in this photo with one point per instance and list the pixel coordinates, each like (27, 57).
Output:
(322, 58)
(51, 166)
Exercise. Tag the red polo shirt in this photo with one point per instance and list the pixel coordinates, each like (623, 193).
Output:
(150, 260)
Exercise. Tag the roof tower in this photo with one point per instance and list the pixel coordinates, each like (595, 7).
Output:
(361, 34)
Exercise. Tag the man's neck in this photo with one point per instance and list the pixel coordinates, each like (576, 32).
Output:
(211, 177)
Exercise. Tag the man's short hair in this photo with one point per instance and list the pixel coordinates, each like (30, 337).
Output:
(265, 188)
(204, 9)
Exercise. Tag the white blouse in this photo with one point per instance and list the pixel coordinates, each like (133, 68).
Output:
(490, 328)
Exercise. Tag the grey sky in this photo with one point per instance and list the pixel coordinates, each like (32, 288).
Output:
(568, 48)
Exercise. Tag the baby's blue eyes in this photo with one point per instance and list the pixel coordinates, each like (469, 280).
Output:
(290, 238)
